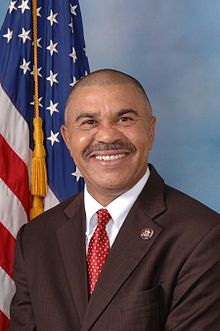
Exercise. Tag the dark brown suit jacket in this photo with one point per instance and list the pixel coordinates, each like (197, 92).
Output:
(170, 281)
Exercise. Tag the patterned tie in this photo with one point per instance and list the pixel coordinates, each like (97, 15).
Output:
(98, 248)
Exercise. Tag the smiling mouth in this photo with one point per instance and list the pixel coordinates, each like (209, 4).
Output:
(110, 157)
(109, 152)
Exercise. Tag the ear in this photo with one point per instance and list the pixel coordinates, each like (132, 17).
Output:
(152, 127)
(66, 135)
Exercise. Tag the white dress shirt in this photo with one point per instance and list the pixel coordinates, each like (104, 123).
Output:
(118, 209)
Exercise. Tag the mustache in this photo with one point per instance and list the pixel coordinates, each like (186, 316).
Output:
(117, 145)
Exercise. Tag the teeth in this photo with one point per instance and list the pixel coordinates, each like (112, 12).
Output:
(109, 157)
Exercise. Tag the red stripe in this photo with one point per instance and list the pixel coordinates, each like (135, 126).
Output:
(7, 245)
(4, 322)
(13, 172)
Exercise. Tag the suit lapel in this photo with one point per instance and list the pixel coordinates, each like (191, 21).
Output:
(128, 249)
(71, 238)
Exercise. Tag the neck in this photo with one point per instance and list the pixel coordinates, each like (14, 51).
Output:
(104, 200)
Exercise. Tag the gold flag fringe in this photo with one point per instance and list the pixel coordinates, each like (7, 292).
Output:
(39, 170)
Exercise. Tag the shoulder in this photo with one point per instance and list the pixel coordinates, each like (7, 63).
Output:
(177, 204)
(186, 207)
(189, 225)
(182, 217)
(52, 219)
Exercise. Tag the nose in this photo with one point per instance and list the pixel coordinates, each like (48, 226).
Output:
(107, 133)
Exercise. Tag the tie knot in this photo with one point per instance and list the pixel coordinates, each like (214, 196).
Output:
(103, 217)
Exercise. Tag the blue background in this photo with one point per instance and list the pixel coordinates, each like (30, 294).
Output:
(173, 48)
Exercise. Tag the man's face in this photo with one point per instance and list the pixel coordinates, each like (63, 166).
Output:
(109, 132)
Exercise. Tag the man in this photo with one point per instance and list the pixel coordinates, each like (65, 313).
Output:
(128, 254)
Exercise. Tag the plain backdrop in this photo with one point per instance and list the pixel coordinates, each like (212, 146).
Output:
(173, 48)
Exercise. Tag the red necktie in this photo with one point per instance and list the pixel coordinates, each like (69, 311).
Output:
(98, 248)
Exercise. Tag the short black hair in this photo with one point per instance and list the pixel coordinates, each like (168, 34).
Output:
(108, 77)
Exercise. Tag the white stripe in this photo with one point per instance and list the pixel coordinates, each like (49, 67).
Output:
(14, 128)
(50, 200)
(12, 213)
(7, 292)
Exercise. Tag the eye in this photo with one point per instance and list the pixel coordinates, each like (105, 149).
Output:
(88, 124)
(126, 120)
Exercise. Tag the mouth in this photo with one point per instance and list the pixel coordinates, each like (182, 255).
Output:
(110, 157)
(109, 152)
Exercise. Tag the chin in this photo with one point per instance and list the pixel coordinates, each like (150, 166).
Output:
(114, 187)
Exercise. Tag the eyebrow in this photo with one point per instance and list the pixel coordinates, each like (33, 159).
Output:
(84, 115)
(127, 111)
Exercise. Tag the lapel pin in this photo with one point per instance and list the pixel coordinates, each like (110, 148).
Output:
(147, 233)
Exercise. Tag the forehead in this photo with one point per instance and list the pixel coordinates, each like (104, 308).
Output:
(121, 95)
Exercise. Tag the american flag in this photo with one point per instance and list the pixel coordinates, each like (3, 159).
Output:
(62, 61)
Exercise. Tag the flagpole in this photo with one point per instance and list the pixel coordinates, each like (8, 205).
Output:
(39, 170)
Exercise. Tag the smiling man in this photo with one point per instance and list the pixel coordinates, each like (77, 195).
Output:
(130, 253)
(109, 132)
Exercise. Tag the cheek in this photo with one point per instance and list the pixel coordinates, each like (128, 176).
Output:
(83, 137)
(139, 139)
(78, 144)
(83, 140)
